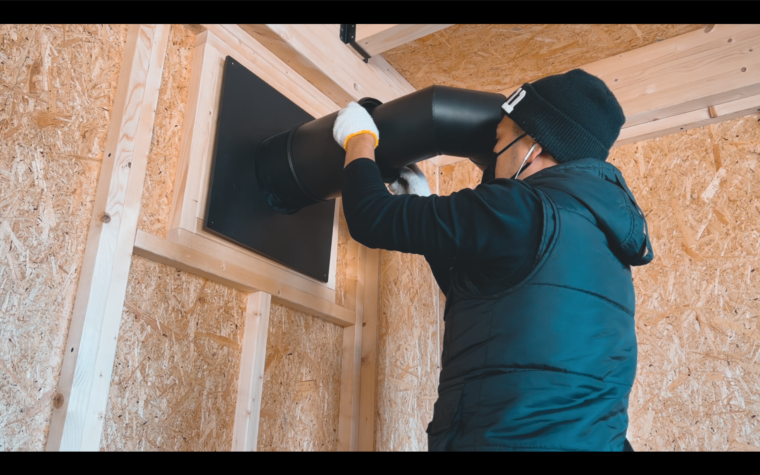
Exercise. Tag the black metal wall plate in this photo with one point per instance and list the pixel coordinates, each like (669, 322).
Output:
(250, 110)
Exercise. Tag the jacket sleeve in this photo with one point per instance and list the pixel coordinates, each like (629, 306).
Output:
(499, 220)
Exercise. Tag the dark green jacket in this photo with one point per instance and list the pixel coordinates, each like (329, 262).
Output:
(548, 364)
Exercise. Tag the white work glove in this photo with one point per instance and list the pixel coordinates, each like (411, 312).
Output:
(411, 182)
(352, 121)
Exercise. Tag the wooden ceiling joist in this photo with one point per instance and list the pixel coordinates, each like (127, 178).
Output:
(376, 39)
(690, 120)
(695, 79)
(703, 68)
(317, 53)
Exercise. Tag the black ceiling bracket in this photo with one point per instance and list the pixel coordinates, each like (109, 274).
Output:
(348, 36)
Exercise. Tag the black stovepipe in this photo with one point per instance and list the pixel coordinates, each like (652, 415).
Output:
(303, 166)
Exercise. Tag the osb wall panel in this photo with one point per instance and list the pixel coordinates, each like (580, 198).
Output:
(458, 176)
(57, 84)
(177, 362)
(200, 407)
(495, 57)
(697, 314)
(167, 132)
(301, 395)
(408, 351)
(698, 381)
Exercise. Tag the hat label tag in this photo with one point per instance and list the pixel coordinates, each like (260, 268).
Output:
(513, 100)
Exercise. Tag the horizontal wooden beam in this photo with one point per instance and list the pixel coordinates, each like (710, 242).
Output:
(376, 39)
(443, 160)
(690, 120)
(235, 275)
(317, 53)
(673, 85)
(696, 70)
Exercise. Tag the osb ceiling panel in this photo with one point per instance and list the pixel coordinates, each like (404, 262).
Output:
(495, 57)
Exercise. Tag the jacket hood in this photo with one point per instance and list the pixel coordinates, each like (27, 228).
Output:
(601, 188)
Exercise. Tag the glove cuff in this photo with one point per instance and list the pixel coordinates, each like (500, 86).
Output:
(345, 142)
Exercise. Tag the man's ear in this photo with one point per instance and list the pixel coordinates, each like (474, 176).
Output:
(535, 153)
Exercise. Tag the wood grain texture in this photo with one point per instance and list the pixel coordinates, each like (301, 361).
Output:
(302, 379)
(405, 351)
(497, 57)
(698, 375)
(317, 53)
(689, 120)
(57, 90)
(350, 380)
(167, 134)
(177, 363)
(251, 380)
(88, 365)
(680, 83)
(233, 273)
(692, 71)
(376, 39)
(368, 376)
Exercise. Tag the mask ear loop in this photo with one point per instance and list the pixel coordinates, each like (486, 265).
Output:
(512, 143)
(526, 159)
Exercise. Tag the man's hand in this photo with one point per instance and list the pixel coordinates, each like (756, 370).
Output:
(356, 132)
(411, 182)
(353, 120)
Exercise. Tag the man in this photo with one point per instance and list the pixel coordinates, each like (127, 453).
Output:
(539, 348)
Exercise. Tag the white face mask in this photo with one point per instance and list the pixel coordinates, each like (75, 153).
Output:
(525, 160)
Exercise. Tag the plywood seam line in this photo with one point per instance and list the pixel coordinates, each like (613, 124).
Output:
(670, 86)
(251, 379)
(90, 350)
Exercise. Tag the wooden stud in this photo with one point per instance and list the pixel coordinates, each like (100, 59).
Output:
(77, 424)
(197, 130)
(368, 378)
(348, 419)
(251, 380)
(256, 265)
(376, 39)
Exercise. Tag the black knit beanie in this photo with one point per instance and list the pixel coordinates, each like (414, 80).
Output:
(572, 115)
